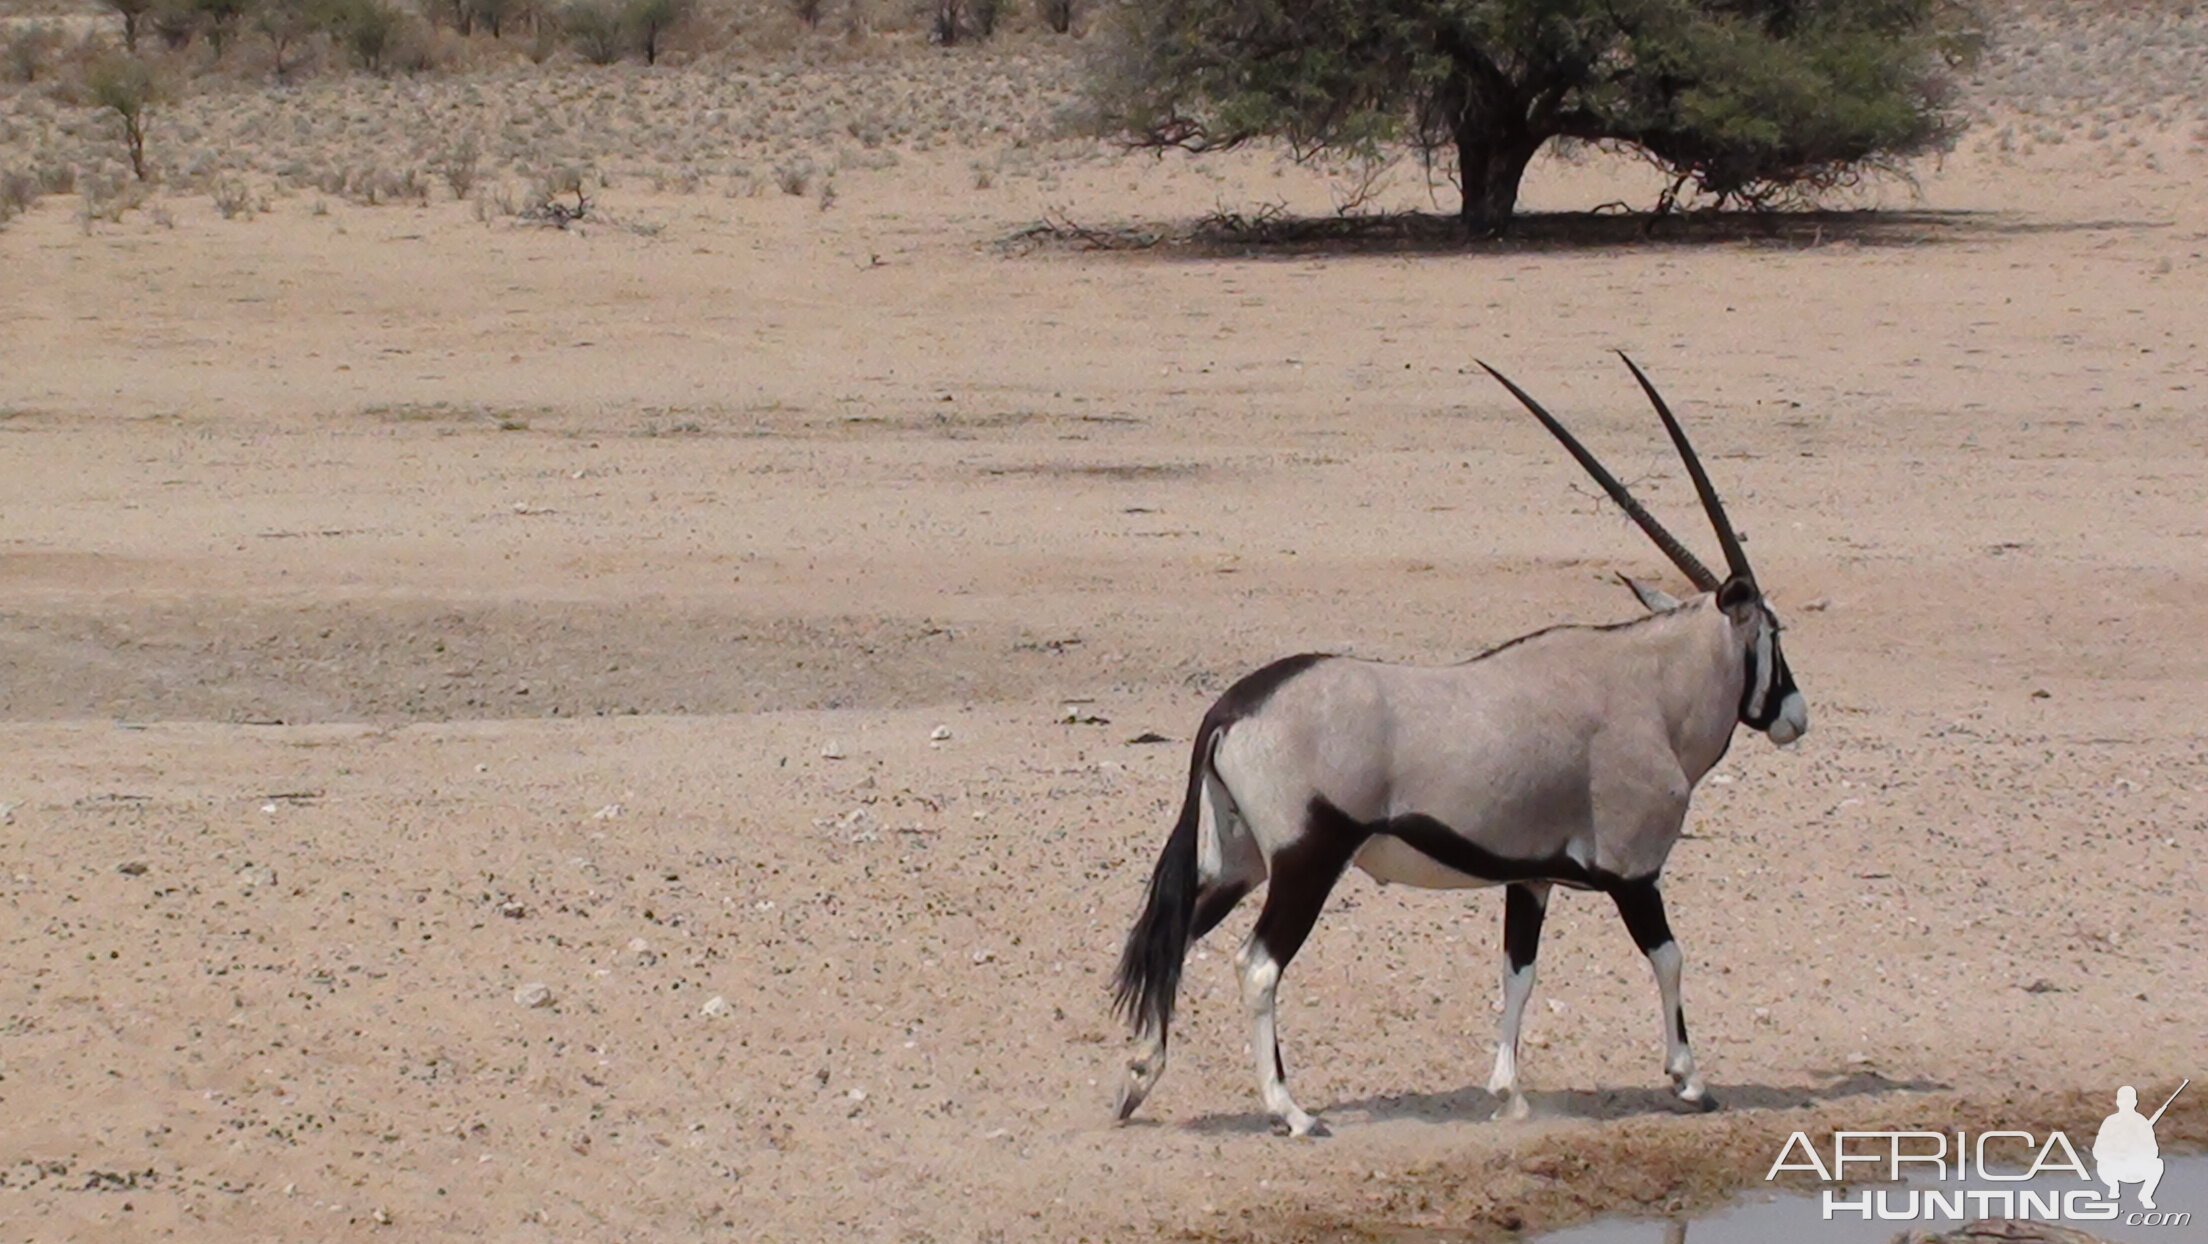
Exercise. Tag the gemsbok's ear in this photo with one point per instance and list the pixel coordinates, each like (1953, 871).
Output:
(1656, 599)
(1739, 597)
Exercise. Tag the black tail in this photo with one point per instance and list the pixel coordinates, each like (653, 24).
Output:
(1149, 977)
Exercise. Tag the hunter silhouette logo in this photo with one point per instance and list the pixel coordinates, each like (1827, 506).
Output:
(2124, 1151)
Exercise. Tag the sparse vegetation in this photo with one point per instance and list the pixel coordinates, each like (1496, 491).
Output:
(18, 190)
(234, 199)
(459, 165)
(127, 87)
(595, 29)
(31, 49)
(371, 30)
(650, 23)
(133, 13)
(286, 24)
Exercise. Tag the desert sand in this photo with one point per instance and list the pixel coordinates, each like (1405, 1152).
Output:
(631, 732)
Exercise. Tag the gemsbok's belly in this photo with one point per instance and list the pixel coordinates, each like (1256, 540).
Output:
(1392, 861)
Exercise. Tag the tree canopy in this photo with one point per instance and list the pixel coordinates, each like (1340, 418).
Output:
(1743, 100)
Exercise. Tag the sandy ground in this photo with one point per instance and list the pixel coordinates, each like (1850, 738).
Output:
(402, 610)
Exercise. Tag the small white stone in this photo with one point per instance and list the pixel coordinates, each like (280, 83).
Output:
(940, 733)
(856, 1094)
(833, 751)
(985, 956)
(606, 813)
(715, 1007)
(534, 994)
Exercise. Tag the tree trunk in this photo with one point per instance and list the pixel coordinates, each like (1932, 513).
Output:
(1491, 169)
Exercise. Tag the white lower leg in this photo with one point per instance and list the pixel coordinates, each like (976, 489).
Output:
(1686, 1081)
(1260, 989)
(1517, 987)
(1143, 1069)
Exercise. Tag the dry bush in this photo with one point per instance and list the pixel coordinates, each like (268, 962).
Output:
(459, 164)
(31, 50)
(128, 88)
(18, 190)
(1056, 14)
(105, 198)
(287, 25)
(796, 178)
(651, 22)
(233, 199)
(374, 186)
(595, 29)
(376, 33)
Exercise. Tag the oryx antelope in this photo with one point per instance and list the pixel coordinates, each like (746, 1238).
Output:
(1565, 757)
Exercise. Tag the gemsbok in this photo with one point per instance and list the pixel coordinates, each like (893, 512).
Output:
(1564, 757)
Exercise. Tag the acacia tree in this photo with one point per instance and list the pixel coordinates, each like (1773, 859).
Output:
(1744, 99)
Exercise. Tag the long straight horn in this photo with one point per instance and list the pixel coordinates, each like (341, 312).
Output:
(1735, 560)
(1688, 563)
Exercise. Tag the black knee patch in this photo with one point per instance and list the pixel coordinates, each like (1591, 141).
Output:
(1679, 1023)
(1522, 915)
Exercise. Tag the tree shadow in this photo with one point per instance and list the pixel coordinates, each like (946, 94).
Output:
(1474, 1103)
(1267, 233)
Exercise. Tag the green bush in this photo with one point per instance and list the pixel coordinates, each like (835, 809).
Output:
(595, 29)
(127, 87)
(1748, 101)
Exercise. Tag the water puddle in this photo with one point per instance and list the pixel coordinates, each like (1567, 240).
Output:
(1798, 1218)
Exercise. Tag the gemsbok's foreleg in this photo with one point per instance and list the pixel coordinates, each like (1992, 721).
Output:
(1641, 903)
(1525, 904)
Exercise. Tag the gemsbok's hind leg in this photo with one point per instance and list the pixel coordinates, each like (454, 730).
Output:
(1524, 906)
(1303, 874)
(1642, 906)
(1146, 1066)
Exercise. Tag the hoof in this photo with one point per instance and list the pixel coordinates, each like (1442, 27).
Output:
(1515, 1109)
(1130, 1096)
(1306, 1127)
(1703, 1102)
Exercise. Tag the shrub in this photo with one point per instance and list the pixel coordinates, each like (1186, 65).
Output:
(371, 30)
(650, 21)
(126, 86)
(30, 50)
(459, 164)
(18, 190)
(286, 24)
(594, 27)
